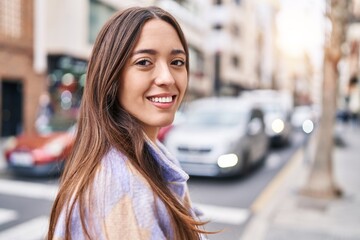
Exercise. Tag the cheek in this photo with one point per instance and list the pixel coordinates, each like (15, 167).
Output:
(126, 94)
(132, 96)
(183, 84)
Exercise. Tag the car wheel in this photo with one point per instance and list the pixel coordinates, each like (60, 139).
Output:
(246, 164)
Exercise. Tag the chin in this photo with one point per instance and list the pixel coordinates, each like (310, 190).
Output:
(166, 122)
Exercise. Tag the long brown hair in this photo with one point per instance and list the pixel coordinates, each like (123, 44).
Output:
(103, 123)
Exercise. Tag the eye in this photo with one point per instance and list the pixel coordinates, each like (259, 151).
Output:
(143, 62)
(178, 62)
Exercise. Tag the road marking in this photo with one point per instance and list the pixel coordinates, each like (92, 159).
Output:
(34, 229)
(7, 215)
(218, 214)
(227, 215)
(27, 189)
(2, 158)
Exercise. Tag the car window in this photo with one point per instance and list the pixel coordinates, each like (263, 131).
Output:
(216, 117)
(272, 108)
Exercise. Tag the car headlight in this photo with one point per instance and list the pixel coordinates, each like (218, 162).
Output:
(227, 160)
(308, 126)
(10, 144)
(277, 125)
(54, 148)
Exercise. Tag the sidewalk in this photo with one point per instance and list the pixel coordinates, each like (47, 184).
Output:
(287, 215)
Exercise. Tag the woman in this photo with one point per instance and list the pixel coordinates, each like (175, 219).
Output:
(120, 182)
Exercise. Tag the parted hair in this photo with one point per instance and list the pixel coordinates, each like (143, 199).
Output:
(103, 123)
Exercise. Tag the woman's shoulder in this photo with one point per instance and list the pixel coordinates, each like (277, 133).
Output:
(117, 171)
(114, 158)
(114, 172)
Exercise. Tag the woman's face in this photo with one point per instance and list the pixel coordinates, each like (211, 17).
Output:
(154, 79)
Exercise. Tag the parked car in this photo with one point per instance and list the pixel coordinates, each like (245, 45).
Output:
(219, 137)
(179, 117)
(278, 125)
(304, 118)
(277, 108)
(41, 154)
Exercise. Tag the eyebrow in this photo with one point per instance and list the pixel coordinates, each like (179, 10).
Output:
(154, 52)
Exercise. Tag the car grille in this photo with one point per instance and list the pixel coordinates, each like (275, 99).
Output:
(183, 149)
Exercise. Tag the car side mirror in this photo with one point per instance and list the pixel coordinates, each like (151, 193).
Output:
(254, 126)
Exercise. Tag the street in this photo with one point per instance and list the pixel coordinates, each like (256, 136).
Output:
(227, 202)
(217, 81)
(25, 203)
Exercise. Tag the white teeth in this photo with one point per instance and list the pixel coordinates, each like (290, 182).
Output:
(161, 99)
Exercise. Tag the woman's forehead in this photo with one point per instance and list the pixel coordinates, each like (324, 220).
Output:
(158, 31)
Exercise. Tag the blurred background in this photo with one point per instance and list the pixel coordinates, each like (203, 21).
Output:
(265, 60)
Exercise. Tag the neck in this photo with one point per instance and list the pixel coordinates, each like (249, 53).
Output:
(151, 138)
(151, 134)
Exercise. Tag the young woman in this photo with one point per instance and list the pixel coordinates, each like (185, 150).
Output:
(120, 182)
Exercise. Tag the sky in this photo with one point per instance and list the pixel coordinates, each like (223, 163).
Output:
(301, 27)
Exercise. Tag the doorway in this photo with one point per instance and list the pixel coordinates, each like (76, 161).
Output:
(11, 107)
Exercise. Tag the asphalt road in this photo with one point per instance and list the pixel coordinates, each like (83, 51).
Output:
(227, 203)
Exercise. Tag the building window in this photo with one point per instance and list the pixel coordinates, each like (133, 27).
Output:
(235, 60)
(10, 18)
(182, 2)
(237, 2)
(235, 30)
(196, 61)
(218, 27)
(66, 81)
(99, 14)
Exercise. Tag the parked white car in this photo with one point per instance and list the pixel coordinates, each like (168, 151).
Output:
(277, 108)
(304, 118)
(220, 137)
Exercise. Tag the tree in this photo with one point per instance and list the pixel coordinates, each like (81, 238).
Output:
(321, 182)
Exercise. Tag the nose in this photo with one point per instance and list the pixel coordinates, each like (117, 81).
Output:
(164, 75)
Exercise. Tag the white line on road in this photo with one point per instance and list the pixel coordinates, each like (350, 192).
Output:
(218, 214)
(227, 215)
(7, 215)
(27, 189)
(32, 230)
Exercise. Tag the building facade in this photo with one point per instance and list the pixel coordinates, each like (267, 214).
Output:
(349, 85)
(20, 84)
(45, 46)
(67, 56)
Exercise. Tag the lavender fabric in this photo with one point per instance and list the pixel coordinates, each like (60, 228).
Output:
(123, 206)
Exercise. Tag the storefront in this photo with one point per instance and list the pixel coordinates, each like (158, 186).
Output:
(66, 80)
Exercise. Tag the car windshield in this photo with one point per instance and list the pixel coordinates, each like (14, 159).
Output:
(215, 117)
(60, 121)
(272, 108)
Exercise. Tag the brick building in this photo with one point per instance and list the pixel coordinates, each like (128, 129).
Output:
(20, 85)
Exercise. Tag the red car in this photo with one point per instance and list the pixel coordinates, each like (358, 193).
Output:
(179, 118)
(163, 132)
(39, 154)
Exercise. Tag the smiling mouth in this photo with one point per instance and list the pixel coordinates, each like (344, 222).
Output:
(167, 99)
